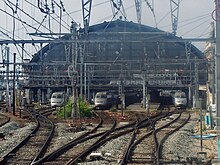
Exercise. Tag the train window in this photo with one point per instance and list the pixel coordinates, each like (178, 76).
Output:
(101, 96)
(54, 96)
(59, 96)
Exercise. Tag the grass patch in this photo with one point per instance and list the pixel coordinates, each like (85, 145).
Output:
(84, 109)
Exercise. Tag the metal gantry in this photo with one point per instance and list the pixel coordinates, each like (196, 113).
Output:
(117, 6)
(86, 8)
(174, 6)
(138, 4)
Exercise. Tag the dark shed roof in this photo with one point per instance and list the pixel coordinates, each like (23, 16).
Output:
(120, 26)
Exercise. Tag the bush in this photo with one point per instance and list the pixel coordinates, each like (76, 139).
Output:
(84, 109)
(68, 110)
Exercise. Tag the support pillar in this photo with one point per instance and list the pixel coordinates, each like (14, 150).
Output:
(39, 96)
(85, 82)
(14, 90)
(7, 81)
(190, 96)
(144, 92)
(217, 71)
(43, 97)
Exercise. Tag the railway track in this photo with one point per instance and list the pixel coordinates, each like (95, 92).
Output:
(182, 120)
(148, 130)
(115, 133)
(34, 145)
(2, 105)
(65, 153)
(4, 119)
(146, 144)
(143, 134)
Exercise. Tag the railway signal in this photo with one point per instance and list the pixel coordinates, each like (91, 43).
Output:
(72, 73)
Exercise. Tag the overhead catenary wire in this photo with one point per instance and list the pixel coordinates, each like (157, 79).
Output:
(37, 29)
(195, 27)
(167, 14)
(55, 19)
(13, 23)
(22, 23)
(6, 34)
(187, 20)
(193, 21)
(9, 14)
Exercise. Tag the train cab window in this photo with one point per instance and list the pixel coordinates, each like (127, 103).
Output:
(54, 97)
(101, 96)
(59, 96)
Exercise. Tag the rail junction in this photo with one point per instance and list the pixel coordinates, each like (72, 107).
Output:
(140, 67)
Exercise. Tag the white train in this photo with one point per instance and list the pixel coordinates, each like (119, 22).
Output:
(105, 100)
(57, 99)
(179, 99)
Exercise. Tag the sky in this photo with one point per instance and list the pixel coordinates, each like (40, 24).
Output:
(195, 17)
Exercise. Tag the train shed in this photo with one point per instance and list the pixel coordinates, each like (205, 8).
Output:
(117, 56)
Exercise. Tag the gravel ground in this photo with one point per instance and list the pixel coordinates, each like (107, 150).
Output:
(13, 135)
(65, 134)
(181, 145)
(178, 147)
(111, 152)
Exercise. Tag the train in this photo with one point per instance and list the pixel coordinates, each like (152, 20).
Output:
(105, 100)
(179, 99)
(57, 99)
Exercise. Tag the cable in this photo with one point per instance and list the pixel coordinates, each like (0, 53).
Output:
(203, 32)
(15, 44)
(166, 15)
(186, 20)
(17, 19)
(13, 24)
(23, 24)
(152, 10)
(193, 22)
(28, 16)
(195, 27)
(51, 16)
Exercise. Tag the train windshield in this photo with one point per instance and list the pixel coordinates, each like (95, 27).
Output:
(58, 96)
(101, 96)
(180, 96)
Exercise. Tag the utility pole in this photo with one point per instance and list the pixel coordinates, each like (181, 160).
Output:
(81, 69)
(14, 90)
(72, 69)
(144, 91)
(217, 71)
(7, 80)
(196, 84)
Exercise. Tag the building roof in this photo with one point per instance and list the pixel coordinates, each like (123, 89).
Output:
(123, 27)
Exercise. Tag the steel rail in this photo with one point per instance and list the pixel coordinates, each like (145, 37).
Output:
(150, 122)
(94, 145)
(48, 140)
(36, 116)
(160, 145)
(71, 144)
(103, 140)
(155, 136)
(132, 143)
(7, 119)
